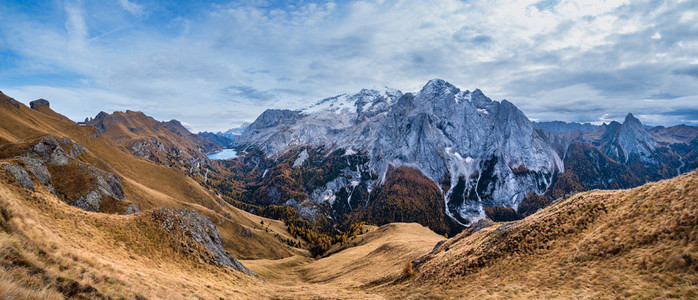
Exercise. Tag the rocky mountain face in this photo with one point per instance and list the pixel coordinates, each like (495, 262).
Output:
(619, 141)
(217, 139)
(480, 153)
(621, 155)
(232, 133)
(560, 126)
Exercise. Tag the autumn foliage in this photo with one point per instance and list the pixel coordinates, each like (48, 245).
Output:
(407, 196)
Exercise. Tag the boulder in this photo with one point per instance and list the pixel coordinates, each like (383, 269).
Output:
(39, 102)
(20, 175)
(49, 149)
(39, 170)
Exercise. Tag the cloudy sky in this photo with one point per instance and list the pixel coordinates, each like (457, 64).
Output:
(214, 65)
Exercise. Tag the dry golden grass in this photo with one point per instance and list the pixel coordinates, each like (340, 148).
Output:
(145, 183)
(93, 254)
(639, 243)
(50, 249)
(374, 258)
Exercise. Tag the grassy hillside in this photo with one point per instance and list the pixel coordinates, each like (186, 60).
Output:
(50, 249)
(638, 243)
(166, 143)
(146, 183)
(358, 269)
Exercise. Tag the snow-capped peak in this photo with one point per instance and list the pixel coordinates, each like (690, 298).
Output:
(438, 86)
(354, 103)
(332, 104)
(441, 131)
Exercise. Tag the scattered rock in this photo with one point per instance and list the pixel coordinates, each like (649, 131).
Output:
(132, 209)
(11, 101)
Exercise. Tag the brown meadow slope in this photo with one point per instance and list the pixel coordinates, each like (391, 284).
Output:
(145, 183)
(166, 143)
(637, 243)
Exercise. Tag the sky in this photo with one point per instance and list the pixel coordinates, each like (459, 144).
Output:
(213, 65)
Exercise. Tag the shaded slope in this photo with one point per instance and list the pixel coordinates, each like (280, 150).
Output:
(407, 196)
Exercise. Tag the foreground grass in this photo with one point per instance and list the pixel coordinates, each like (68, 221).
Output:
(638, 243)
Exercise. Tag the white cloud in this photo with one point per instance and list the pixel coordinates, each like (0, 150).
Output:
(132, 8)
(289, 56)
(75, 23)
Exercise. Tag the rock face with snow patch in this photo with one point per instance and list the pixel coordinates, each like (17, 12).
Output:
(481, 152)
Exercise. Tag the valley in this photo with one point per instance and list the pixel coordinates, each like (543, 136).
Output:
(94, 212)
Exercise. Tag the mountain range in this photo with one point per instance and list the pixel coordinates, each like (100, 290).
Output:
(125, 206)
(475, 157)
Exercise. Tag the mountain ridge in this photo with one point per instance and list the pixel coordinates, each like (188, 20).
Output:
(480, 152)
(420, 130)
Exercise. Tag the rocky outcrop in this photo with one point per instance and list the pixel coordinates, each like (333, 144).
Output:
(9, 100)
(76, 149)
(149, 149)
(56, 165)
(132, 209)
(104, 185)
(38, 103)
(201, 230)
(39, 170)
(20, 175)
(49, 150)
